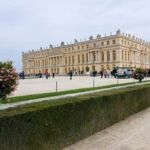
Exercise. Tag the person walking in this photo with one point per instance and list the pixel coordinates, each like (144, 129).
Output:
(108, 73)
(53, 75)
(22, 75)
(46, 75)
(70, 73)
(105, 73)
(101, 73)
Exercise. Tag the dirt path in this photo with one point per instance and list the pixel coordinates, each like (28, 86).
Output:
(130, 134)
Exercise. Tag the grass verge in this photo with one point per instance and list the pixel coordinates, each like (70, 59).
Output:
(44, 95)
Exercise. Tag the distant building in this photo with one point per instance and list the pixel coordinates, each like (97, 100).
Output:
(96, 54)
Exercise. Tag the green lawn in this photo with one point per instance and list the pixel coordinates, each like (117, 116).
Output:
(43, 95)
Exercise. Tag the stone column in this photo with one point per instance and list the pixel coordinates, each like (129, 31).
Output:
(89, 57)
(58, 61)
(96, 56)
(100, 57)
(119, 55)
(63, 61)
(52, 61)
(55, 61)
(105, 56)
(111, 56)
(47, 62)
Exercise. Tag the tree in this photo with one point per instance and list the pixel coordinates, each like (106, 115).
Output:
(139, 74)
(8, 79)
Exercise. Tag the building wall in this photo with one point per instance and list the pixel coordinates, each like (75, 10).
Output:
(95, 54)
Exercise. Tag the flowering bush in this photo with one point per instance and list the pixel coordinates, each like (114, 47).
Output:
(8, 79)
(139, 74)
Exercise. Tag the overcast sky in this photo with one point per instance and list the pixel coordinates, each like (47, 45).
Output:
(30, 24)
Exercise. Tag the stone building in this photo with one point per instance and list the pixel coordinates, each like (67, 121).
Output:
(97, 54)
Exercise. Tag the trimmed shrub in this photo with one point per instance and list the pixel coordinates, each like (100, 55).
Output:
(139, 74)
(8, 79)
(54, 125)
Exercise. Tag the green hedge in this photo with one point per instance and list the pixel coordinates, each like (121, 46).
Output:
(54, 125)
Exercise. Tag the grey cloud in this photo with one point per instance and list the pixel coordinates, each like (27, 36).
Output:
(26, 24)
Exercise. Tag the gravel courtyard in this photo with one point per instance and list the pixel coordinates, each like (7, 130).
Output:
(131, 134)
(34, 86)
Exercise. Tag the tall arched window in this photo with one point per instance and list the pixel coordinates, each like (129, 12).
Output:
(108, 56)
(94, 56)
(42, 63)
(114, 55)
(69, 60)
(122, 55)
(82, 58)
(55, 61)
(57, 70)
(87, 46)
(49, 61)
(78, 58)
(66, 60)
(102, 56)
(125, 55)
(73, 60)
(86, 57)
(94, 45)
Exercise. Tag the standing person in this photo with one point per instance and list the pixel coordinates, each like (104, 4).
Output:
(108, 73)
(46, 75)
(70, 73)
(53, 75)
(22, 74)
(105, 73)
(40, 75)
(101, 73)
(130, 74)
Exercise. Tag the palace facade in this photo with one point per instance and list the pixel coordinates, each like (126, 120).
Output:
(95, 54)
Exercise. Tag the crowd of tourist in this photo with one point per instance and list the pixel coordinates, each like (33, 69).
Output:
(115, 73)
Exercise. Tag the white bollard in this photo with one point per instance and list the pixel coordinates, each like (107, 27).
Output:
(93, 82)
(117, 81)
(56, 86)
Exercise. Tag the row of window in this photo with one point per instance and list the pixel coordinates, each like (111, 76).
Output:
(93, 45)
(139, 46)
(85, 58)
(86, 46)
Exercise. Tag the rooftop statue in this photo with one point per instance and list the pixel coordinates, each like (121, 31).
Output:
(75, 41)
(118, 32)
(98, 36)
(91, 38)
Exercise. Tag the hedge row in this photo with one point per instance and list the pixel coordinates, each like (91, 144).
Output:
(54, 126)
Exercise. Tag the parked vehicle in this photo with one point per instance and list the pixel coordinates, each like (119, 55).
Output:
(123, 72)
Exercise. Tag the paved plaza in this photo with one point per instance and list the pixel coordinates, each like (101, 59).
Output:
(35, 86)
